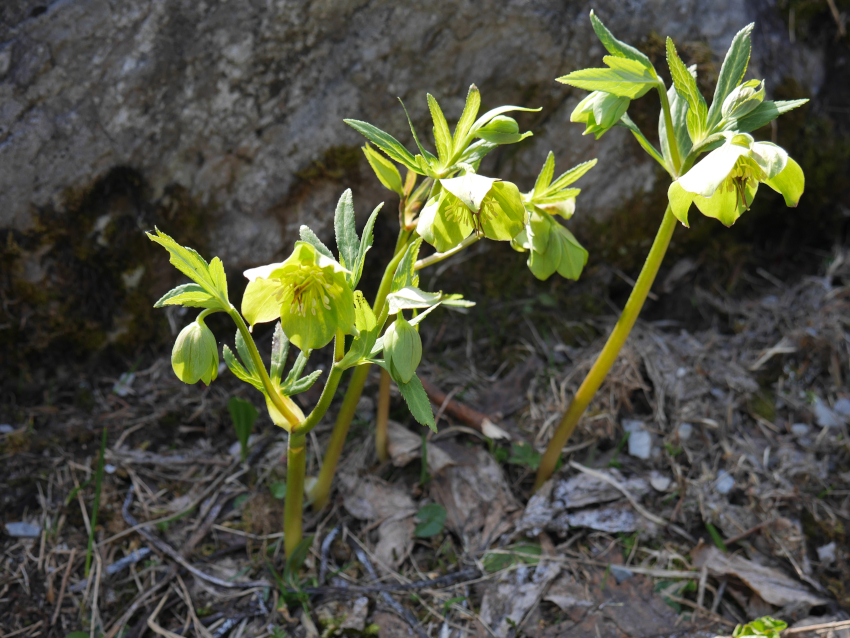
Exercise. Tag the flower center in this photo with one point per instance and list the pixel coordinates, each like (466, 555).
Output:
(744, 172)
(306, 288)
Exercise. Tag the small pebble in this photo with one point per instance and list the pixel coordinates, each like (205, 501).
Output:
(23, 530)
(826, 553)
(800, 429)
(5, 428)
(825, 417)
(685, 430)
(658, 481)
(109, 468)
(681, 372)
(623, 573)
(842, 406)
(724, 482)
(640, 441)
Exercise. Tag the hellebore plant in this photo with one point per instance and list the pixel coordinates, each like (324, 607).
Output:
(722, 184)
(446, 201)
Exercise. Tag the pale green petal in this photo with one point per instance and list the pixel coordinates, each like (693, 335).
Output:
(573, 254)
(680, 202)
(260, 303)
(543, 265)
(503, 213)
(566, 208)
(537, 230)
(306, 330)
(261, 272)
(771, 158)
(471, 188)
(425, 223)
(708, 174)
(448, 225)
(726, 206)
(790, 183)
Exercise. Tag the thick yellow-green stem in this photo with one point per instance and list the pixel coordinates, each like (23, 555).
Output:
(296, 455)
(322, 489)
(383, 417)
(296, 463)
(282, 403)
(610, 352)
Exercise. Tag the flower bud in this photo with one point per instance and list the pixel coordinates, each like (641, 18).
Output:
(600, 111)
(743, 99)
(195, 354)
(501, 130)
(402, 350)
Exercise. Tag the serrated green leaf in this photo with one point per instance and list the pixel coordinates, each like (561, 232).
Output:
(645, 144)
(731, 74)
(186, 260)
(239, 371)
(303, 384)
(405, 275)
(475, 152)
(307, 235)
(624, 77)
(412, 297)
(546, 175)
(428, 156)
(615, 46)
(295, 371)
(365, 245)
(489, 115)
(686, 86)
(470, 110)
(245, 354)
(280, 349)
(442, 137)
(347, 241)
(189, 295)
(679, 116)
(763, 114)
(417, 402)
(385, 170)
(219, 278)
(386, 142)
(572, 175)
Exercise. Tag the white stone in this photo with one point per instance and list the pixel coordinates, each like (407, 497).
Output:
(800, 429)
(659, 482)
(685, 430)
(826, 553)
(842, 406)
(23, 530)
(724, 482)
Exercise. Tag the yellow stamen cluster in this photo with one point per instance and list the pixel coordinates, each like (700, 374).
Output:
(305, 286)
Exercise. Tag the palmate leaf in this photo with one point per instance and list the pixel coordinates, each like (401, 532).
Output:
(310, 237)
(429, 158)
(763, 114)
(386, 142)
(645, 144)
(679, 115)
(686, 86)
(470, 110)
(615, 46)
(546, 175)
(191, 264)
(624, 77)
(189, 295)
(405, 274)
(365, 244)
(280, 349)
(239, 371)
(442, 137)
(347, 241)
(385, 170)
(567, 178)
(731, 74)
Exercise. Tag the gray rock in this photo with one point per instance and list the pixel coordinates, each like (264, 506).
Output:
(5, 428)
(23, 530)
(842, 406)
(824, 416)
(826, 553)
(800, 429)
(685, 430)
(232, 100)
(640, 441)
(724, 482)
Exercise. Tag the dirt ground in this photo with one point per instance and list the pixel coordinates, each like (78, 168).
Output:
(707, 485)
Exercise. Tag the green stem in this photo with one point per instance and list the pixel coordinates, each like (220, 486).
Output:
(322, 489)
(296, 463)
(671, 132)
(328, 391)
(610, 352)
(276, 398)
(430, 260)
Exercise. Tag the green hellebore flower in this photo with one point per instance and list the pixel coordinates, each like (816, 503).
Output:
(308, 292)
(402, 350)
(551, 248)
(470, 203)
(724, 183)
(599, 111)
(743, 99)
(195, 354)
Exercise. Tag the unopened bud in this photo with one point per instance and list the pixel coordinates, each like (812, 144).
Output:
(402, 350)
(743, 99)
(599, 111)
(195, 354)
